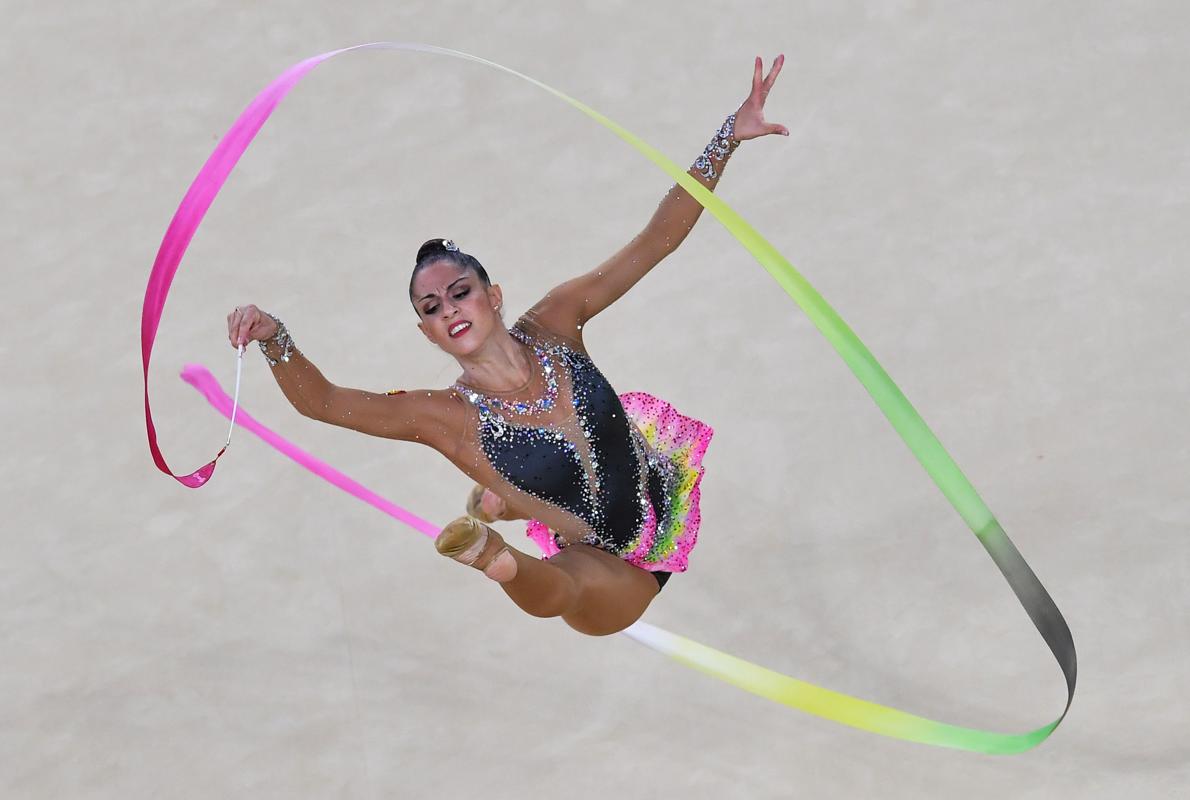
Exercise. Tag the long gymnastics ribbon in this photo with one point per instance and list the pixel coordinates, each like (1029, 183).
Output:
(909, 425)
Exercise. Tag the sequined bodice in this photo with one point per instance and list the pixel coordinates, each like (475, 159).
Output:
(582, 455)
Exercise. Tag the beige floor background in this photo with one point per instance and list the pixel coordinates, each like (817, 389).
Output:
(993, 195)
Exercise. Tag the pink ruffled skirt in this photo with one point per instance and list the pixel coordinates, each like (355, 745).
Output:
(679, 442)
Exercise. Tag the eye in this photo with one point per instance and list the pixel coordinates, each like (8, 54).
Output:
(430, 309)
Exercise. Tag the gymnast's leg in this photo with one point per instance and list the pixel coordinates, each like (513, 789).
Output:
(612, 594)
(593, 591)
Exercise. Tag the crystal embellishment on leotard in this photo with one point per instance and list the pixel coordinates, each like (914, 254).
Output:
(486, 404)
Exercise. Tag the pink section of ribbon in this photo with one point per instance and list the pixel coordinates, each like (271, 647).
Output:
(186, 220)
(200, 378)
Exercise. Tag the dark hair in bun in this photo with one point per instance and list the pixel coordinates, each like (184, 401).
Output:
(435, 250)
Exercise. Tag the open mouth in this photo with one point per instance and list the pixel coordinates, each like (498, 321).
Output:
(458, 329)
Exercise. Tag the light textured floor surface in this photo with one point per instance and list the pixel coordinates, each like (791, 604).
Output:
(995, 196)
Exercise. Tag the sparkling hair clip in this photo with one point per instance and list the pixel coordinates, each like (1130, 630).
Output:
(449, 244)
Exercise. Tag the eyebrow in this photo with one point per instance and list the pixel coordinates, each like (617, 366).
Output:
(452, 283)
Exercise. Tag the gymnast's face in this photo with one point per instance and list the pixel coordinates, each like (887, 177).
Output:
(453, 300)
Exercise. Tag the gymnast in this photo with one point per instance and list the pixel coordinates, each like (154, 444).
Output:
(608, 484)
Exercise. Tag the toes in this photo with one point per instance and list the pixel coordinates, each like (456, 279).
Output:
(472, 543)
(460, 536)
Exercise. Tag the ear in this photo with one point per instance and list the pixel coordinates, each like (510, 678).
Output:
(496, 295)
(422, 328)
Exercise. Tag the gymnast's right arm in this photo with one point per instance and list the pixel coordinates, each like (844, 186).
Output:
(424, 416)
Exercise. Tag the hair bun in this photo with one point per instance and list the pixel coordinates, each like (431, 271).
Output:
(430, 248)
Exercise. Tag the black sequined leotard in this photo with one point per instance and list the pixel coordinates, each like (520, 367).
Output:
(582, 455)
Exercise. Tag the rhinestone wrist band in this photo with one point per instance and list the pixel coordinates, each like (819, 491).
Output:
(283, 340)
(721, 146)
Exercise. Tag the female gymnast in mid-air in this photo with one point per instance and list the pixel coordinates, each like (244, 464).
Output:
(608, 484)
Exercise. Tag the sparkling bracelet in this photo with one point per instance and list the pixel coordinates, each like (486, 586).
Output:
(283, 340)
(721, 146)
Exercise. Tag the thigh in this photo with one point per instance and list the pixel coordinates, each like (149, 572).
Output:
(612, 594)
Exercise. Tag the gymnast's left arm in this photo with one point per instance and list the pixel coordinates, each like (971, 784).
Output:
(590, 293)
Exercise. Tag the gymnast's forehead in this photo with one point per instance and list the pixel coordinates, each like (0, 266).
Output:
(436, 276)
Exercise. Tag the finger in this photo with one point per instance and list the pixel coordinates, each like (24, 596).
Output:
(777, 64)
(756, 73)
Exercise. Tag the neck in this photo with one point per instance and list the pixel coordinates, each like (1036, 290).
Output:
(500, 364)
